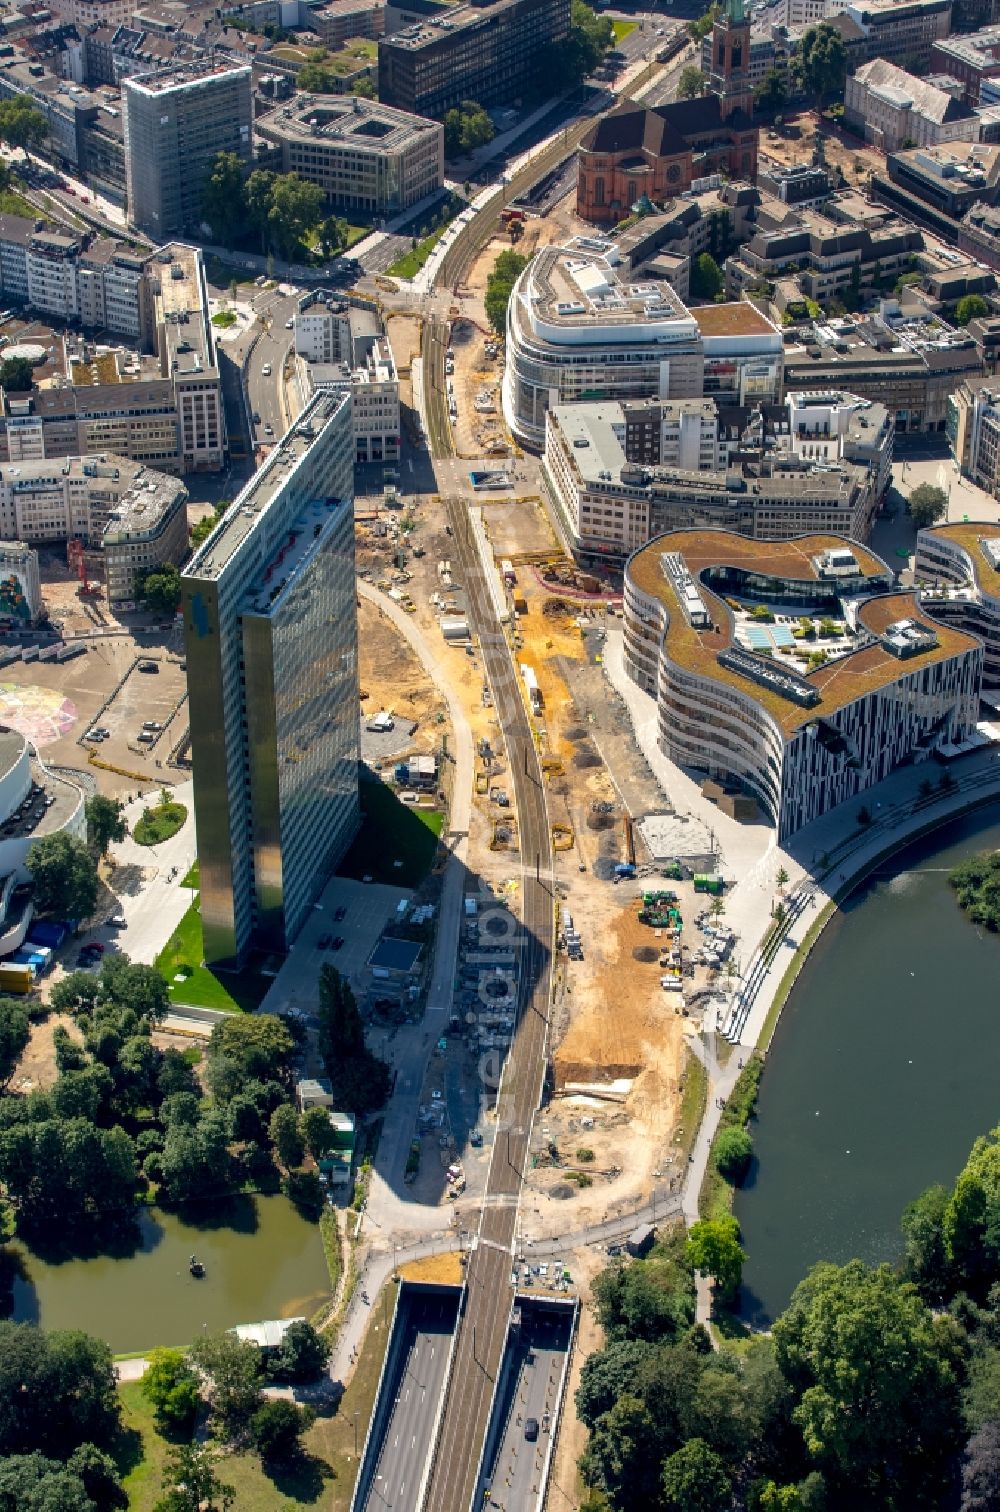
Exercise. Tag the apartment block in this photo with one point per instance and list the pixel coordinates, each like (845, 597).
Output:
(270, 626)
(134, 514)
(175, 124)
(489, 52)
(892, 109)
(343, 347)
(363, 154)
(739, 703)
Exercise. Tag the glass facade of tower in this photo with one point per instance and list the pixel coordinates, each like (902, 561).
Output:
(270, 627)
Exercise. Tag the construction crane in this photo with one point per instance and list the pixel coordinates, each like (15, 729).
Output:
(76, 557)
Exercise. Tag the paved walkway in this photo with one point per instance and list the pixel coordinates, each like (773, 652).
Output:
(153, 902)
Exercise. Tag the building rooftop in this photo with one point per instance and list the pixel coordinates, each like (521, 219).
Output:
(395, 955)
(181, 309)
(344, 119)
(981, 540)
(901, 88)
(811, 695)
(576, 287)
(140, 512)
(183, 75)
(458, 17)
(738, 319)
(247, 510)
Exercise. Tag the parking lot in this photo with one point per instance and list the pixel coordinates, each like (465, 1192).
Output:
(368, 908)
(143, 699)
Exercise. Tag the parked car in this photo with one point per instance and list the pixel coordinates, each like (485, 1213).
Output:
(149, 666)
(531, 1429)
(337, 943)
(339, 913)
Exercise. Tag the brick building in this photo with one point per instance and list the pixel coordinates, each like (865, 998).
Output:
(660, 152)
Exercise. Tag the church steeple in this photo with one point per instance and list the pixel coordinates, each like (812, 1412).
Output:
(731, 58)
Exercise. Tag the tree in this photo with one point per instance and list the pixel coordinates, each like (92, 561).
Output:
(876, 1377)
(104, 823)
(33, 1483)
(733, 1152)
(133, 987)
(223, 202)
(822, 61)
(971, 307)
(772, 91)
(233, 1368)
(254, 1046)
(341, 1031)
(99, 1474)
(981, 1471)
(195, 1487)
(466, 128)
(286, 1136)
(14, 1034)
(195, 1161)
(318, 1132)
(706, 277)
(332, 234)
(691, 83)
(927, 505)
(499, 286)
(257, 201)
(171, 1388)
(276, 1427)
(303, 1355)
(296, 207)
(714, 1248)
(16, 374)
(703, 25)
(160, 590)
(695, 1479)
(926, 1261)
(57, 1391)
(621, 1457)
(971, 1223)
(21, 125)
(64, 876)
(607, 1374)
(314, 78)
(644, 1301)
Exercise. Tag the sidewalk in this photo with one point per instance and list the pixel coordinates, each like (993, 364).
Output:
(152, 901)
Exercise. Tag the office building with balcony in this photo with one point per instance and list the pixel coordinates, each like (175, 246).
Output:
(270, 630)
(363, 154)
(484, 50)
(751, 709)
(175, 124)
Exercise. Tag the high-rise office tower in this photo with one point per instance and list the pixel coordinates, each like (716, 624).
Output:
(271, 637)
(175, 123)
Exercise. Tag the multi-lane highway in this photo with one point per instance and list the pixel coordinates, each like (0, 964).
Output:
(417, 1383)
(515, 1467)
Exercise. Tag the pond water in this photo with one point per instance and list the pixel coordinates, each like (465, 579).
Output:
(261, 1258)
(882, 1072)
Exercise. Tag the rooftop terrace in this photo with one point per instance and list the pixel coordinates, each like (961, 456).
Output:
(838, 683)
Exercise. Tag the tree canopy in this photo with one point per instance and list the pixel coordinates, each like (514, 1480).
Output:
(927, 504)
(970, 307)
(16, 374)
(822, 61)
(105, 822)
(499, 285)
(14, 1032)
(64, 876)
(160, 589)
(706, 277)
(21, 123)
(360, 1079)
(976, 881)
(691, 83)
(466, 128)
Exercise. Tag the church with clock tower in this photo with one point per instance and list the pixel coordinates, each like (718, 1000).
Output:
(658, 152)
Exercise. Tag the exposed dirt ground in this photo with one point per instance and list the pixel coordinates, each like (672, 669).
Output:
(37, 1066)
(393, 678)
(404, 338)
(797, 139)
(445, 1270)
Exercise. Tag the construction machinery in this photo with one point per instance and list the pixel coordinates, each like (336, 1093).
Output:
(76, 557)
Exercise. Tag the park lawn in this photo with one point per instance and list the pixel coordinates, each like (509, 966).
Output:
(224, 319)
(161, 823)
(190, 878)
(623, 29)
(325, 1475)
(392, 831)
(230, 991)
